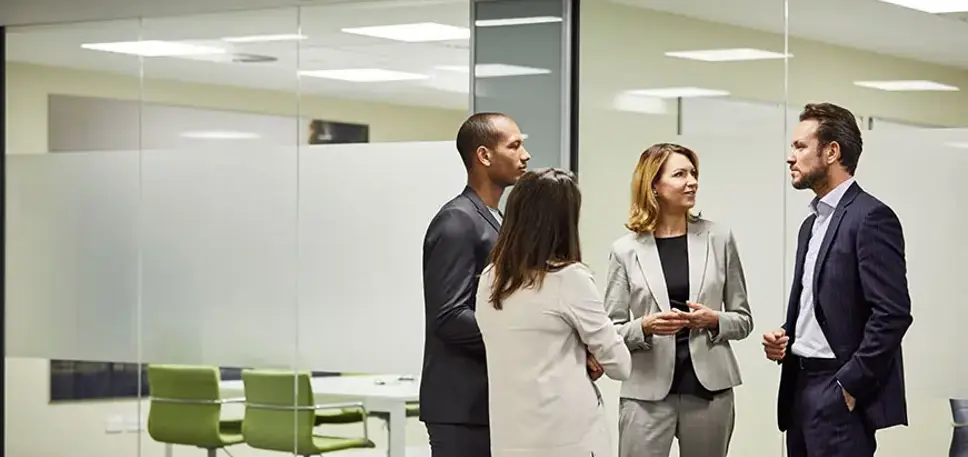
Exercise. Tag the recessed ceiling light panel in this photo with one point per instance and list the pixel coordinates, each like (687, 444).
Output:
(677, 92)
(494, 70)
(516, 21)
(906, 86)
(363, 75)
(727, 55)
(154, 48)
(413, 33)
(932, 6)
(264, 38)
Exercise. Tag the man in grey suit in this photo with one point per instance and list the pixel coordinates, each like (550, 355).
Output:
(459, 240)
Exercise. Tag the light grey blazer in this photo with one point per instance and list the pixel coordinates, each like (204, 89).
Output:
(636, 287)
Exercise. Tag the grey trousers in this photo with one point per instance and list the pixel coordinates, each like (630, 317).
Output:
(703, 428)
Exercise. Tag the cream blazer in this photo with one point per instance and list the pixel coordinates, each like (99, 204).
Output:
(636, 287)
(542, 401)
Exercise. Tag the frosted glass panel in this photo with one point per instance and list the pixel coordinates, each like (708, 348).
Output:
(219, 257)
(72, 256)
(364, 210)
(739, 179)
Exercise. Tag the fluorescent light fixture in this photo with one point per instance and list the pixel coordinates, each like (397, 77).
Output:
(494, 70)
(154, 48)
(932, 6)
(516, 21)
(727, 55)
(413, 33)
(363, 75)
(633, 103)
(958, 145)
(677, 92)
(221, 135)
(264, 38)
(524, 136)
(906, 85)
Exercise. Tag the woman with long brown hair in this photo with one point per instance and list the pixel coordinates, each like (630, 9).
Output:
(677, 292)
(542, 320)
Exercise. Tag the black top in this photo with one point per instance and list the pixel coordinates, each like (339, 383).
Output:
(674, 255)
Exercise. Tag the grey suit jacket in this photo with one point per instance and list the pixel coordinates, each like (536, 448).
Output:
(636, 287)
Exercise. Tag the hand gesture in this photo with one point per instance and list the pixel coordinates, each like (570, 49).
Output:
(667, 323)
(775, 344)
(701, 316)
(594, 368)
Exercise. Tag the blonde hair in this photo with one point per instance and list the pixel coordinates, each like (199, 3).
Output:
(644, 212)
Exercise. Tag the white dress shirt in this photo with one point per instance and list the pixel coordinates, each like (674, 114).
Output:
(809, 340)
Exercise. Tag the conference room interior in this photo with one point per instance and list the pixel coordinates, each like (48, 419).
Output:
(235, 193)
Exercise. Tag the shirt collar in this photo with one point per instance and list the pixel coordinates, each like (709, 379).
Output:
(832, 199)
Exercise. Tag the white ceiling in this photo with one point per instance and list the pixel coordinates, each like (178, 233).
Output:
(841, 22)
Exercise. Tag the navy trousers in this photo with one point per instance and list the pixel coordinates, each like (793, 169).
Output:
(822, 424)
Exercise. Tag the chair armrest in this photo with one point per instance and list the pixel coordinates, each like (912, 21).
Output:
(188, 401)
(339, 405)
(355, 405)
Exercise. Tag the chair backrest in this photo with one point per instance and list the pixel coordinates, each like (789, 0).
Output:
(279, 411)
(185, 405)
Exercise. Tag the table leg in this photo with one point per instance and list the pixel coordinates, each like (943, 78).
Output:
(397, 428)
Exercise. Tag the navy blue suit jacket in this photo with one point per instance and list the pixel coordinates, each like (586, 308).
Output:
(862, 305)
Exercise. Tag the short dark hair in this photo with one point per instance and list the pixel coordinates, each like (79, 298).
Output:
(836, 123)
(539, 233)
(478, 130)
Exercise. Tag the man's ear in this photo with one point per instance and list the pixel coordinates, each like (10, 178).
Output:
(483, 156)
(832, 154)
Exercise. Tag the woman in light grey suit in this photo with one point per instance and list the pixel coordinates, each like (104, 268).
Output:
(542, 320)
(677, 293)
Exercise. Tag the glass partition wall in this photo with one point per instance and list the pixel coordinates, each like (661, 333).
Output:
(194, 200)
(200, 193)
(729, 80)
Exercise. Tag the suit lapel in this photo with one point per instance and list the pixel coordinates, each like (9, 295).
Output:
(651, 268)
(803, 242)
(831, 233)
(697, 241)
(481, 208)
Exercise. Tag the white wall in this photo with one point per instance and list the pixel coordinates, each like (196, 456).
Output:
(744, 183)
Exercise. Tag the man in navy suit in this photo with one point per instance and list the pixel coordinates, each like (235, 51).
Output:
(840, 348)
(459, 240)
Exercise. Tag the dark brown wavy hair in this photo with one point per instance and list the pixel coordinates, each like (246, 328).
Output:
(539, 234)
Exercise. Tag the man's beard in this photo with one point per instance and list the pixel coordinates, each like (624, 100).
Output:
(811, 180)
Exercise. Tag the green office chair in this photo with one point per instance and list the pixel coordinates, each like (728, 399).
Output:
(280, 415)
(186, 408)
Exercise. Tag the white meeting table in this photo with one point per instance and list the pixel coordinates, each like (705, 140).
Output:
(379, 393)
